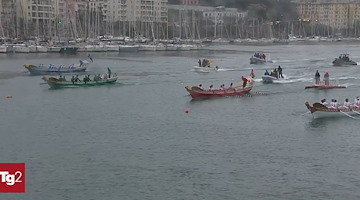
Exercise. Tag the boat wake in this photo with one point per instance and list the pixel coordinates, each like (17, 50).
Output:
(9, 75)
(295, 80)
(348, 78)
(226, 69)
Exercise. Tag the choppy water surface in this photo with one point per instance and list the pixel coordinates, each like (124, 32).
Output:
(133, 140)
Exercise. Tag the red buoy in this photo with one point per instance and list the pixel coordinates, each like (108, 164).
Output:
(8, 96)
(186, 110)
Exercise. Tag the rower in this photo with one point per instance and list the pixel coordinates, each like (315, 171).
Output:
(221, 87)
(211, 87)
(357, 102)
(346, 103)
(77, 78)
(323, 102)
(200, 86)
(335, 103)
(332, 104)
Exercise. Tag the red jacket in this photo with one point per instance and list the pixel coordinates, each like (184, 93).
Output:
(245, 80)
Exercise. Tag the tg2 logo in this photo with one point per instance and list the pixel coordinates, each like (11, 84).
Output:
(12, 177)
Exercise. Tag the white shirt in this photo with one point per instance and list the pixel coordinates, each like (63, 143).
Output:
(357, 102)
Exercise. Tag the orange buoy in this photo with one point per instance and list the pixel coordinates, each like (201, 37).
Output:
(8, 96)
(186, 110)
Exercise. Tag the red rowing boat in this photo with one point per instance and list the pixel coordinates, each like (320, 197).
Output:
(325, 86)
(196, 92)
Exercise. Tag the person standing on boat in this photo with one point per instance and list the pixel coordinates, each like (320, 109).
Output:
(109, 72)
(90, 57)
(245, 80)
(199, 63)
(317, 77)
(280, 72)
(326, 78)
(252, 74)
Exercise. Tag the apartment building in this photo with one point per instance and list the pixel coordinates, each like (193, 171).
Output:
(136, 10)
(338, 14)
(190, 2)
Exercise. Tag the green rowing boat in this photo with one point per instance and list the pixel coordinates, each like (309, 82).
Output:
(61, 83)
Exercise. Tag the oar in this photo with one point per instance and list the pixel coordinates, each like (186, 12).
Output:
(348, 115)
(356, 112)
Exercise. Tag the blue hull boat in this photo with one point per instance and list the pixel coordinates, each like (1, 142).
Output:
(53, 70)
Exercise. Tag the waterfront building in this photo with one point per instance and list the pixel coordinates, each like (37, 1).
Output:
(194, 22)
(190, 2)
(137, 17)
(340, 15)
(36, 18)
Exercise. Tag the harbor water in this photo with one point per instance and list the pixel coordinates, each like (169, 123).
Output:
(133, 140)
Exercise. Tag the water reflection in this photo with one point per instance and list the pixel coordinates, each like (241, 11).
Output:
(323, 123)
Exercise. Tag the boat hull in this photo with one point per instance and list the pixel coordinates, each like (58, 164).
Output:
(320, 111)
(343, 63)
(52, 70)
(324, 86)
(321, 114)
(35, 72)
(258, 61)
(198, 93)
(268, 79)
(68, 50)
(67, 84)
(205, 69)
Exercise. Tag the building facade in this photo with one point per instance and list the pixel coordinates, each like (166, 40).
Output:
(190, 2)
(136, 17)
(338, 14)
(194, 22)
(136, 10)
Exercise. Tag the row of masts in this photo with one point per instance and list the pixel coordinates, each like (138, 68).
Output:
(187, 25)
